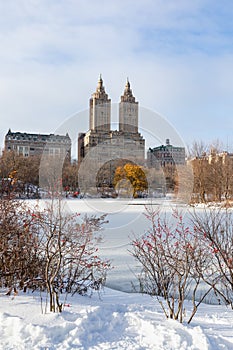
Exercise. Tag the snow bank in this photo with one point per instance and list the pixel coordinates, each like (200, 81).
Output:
(116, 321)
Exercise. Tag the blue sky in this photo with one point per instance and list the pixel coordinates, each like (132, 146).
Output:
(178, 55)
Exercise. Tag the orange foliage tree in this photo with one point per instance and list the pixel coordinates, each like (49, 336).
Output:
(135, 175)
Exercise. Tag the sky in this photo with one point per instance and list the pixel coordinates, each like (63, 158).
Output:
(177, 54)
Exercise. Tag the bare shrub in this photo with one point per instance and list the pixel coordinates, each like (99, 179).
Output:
(171, 258)
(214, 228)
(19, 261)
(68, 248)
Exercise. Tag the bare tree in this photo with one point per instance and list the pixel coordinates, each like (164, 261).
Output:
(25, 168)
(227, 179)
(197, 149)
(216, 146)
(201, 181)
(213, 169)
(70, 176)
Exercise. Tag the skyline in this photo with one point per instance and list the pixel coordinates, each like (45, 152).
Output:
(177, 55)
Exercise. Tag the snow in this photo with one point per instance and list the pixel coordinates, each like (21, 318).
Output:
(114, 319)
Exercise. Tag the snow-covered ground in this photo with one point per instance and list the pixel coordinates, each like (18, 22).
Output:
(116, 321)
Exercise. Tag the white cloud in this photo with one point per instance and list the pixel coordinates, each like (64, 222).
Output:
(177, 54)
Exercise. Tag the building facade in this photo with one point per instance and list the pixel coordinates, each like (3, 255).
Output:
(165, 155)
(38, 144)
(126, 142)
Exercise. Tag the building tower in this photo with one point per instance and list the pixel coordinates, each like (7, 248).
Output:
(125, 143)
(128, 111)
(100, 109)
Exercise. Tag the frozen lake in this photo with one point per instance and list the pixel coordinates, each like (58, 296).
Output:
(126, 220)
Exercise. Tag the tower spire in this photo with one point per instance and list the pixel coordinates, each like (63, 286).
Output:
(128, 95)
(100, 84)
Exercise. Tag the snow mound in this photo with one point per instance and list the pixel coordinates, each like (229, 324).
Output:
(116, 321)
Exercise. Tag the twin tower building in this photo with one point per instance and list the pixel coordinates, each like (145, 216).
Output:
(103, 144)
